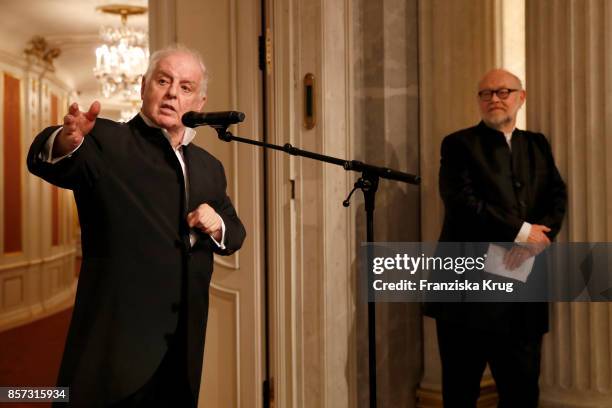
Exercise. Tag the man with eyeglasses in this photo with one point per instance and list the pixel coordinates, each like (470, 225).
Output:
(498, 184)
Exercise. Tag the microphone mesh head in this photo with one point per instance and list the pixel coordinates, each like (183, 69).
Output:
(189, 119)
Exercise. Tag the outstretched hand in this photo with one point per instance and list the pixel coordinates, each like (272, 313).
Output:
(77, 124)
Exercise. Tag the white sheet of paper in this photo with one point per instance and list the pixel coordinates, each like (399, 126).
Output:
(495, 264)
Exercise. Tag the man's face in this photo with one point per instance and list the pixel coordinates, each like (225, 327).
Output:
(172, 90)
(498, 112)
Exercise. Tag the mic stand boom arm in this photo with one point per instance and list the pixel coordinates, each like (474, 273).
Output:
(353, 165)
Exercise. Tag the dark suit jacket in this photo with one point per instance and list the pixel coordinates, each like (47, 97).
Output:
(138, 268)
(488, 191)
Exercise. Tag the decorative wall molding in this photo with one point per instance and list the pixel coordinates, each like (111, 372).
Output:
(37, 296)
(39, 280)
(219, 295)
(38, 261)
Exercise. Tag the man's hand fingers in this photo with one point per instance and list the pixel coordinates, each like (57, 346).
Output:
(538, 237)
(543, 239)
(210, 224)
(541, 228)
(205, 218)
(516, 260)
(515, 257)
(524, 255)
(192, 219)
(70, 128)
(73, 109)
(209, 219)
(69, 120)
(509, 258)
(93, 112)
(213, 226)
(212, 229)
(512, 262)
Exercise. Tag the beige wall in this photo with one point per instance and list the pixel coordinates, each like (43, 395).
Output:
(456, 46)
(386, 133)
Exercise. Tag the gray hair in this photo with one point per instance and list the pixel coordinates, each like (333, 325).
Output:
(158, 55)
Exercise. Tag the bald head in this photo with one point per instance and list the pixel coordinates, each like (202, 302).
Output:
(499, 73)
(500, 96)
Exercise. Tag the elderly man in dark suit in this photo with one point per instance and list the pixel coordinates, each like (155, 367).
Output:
(498, 184)
(153, 208)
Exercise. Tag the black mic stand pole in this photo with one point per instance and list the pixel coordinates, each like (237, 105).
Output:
(368, 184)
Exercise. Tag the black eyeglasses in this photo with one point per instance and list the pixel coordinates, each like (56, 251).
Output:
(487, 94)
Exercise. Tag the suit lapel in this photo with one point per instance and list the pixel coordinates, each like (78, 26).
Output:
(521, 174)
(199, 183)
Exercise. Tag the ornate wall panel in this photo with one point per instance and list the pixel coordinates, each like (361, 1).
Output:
(12, 165)
(36, 278)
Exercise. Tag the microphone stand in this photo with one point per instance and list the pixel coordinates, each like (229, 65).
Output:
(368, 184)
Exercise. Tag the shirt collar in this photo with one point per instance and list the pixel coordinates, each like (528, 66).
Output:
(188, 136)
(484, 126)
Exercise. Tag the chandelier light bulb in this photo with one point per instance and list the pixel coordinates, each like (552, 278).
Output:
(121, 61)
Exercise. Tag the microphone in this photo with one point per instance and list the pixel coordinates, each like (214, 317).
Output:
(215, 119)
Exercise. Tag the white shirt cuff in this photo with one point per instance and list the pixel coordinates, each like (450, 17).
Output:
(220, 244)
(47, 153)
(523, 234)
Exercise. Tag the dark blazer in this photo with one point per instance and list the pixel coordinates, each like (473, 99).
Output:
(139, 269)
(488, 191)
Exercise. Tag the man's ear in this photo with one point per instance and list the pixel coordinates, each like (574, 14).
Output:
(522, 96)
(202, 103)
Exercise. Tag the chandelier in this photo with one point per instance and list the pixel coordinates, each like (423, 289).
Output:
(123, 57)
(126, 114)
